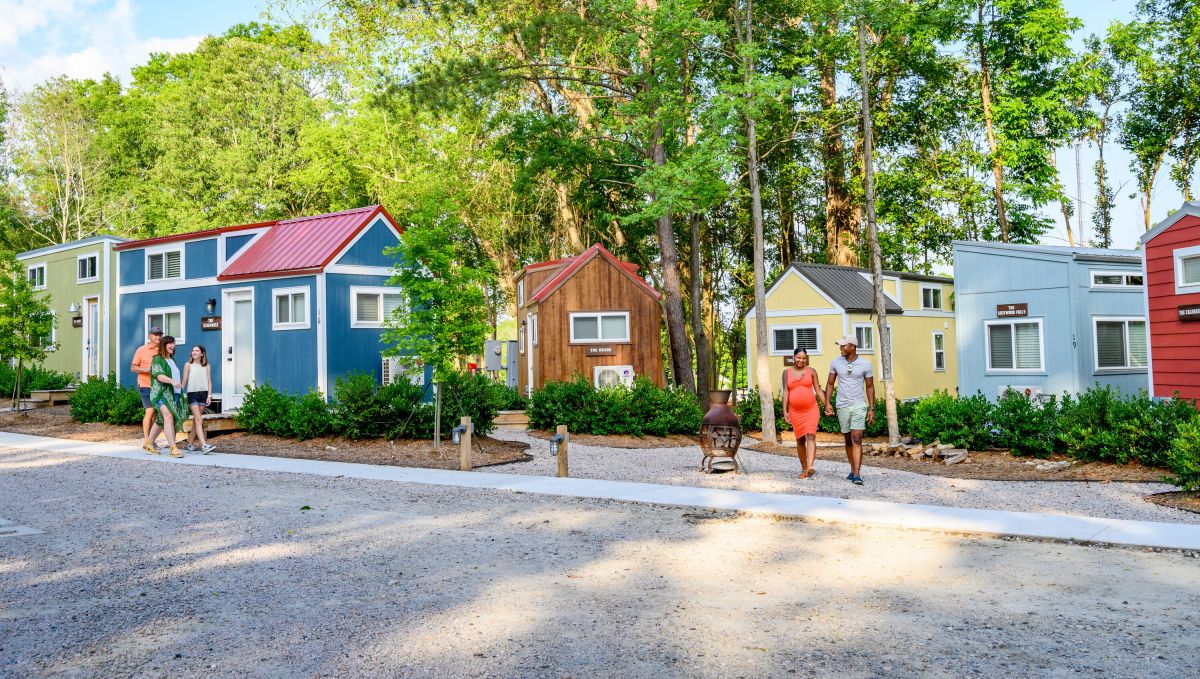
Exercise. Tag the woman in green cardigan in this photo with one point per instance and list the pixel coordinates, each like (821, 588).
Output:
(164, 396)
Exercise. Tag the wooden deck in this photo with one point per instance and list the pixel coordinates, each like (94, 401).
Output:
(512, 420)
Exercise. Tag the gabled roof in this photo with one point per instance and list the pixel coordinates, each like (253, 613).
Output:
(574, 264)
(301, 245)
(847, 287)
(61, 247)
(1074, 252)
(1187, 210)
(191, 235)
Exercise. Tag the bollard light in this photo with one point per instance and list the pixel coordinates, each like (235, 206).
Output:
(555, 444)
(457, 432)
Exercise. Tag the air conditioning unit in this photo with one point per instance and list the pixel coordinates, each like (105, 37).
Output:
(612, 376)
(394, 368)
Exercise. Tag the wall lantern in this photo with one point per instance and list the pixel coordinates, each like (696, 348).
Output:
(457, 432)
(211, 305)
(73, 309)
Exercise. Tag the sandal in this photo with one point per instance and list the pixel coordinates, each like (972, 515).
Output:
(808, 473)
(149, 448)
(175, 452)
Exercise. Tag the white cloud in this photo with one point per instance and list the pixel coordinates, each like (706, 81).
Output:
(77, 38)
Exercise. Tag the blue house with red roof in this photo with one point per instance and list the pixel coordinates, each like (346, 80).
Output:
(295, 303)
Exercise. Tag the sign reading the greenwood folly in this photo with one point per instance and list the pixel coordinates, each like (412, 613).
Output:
(1012, 310)
(602, 350)
(210, 322)
(1189, 312)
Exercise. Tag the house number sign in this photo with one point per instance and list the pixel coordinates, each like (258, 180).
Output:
(1012, 310)
(210, 322)
(1189, 312)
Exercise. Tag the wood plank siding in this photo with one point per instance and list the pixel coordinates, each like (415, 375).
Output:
(1174, 345)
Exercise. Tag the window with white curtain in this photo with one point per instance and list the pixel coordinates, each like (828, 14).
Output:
(371, 307)
(1120, 343)
(1015, 345)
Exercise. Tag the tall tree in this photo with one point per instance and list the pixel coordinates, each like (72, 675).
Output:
(26, 324)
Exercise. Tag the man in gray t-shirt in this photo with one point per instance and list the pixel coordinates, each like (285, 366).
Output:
(855, 382)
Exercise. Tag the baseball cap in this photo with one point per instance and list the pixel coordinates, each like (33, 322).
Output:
(155, 331)
(846, 339)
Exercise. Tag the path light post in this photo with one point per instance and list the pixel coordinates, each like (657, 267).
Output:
(558, 446)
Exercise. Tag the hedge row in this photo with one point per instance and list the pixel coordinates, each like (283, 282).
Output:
(361, 409)
(644, 409)
(103, 400)
(750, 414)
(32, 379)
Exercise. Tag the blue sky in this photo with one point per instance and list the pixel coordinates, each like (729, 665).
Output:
(86, 38)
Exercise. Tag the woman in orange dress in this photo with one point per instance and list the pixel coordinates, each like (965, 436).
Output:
(801, 394)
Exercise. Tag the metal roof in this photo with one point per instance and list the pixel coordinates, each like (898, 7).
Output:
(190, 235)
(301, 245)
(49, 249)
(847, 287)
(1110, 254)
(578, 262)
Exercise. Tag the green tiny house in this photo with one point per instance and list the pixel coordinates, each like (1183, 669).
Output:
(80, 279)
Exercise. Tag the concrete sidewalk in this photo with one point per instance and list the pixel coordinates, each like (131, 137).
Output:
(861, 512)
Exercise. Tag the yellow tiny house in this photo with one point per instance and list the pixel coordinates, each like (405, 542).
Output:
(811, 305)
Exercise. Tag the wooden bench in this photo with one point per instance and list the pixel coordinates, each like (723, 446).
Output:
(217, 423)
(51, 396)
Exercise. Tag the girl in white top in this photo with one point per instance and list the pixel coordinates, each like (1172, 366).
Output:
(197, 382)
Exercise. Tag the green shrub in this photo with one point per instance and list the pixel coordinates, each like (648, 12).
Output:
(309, 416)
(640, 410)
(1101, 425)
(359, 410)
(1024, 425)
(961, 422)
(904, 415)
(92, 398)
(471, 395)
(125, 407)
(265, 410)
(33, 379)
(1184, 457)
(510, 398)
(412, 417)
(749, 413)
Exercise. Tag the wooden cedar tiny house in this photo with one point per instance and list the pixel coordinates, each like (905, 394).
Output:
(590, 314)
(1171, 266)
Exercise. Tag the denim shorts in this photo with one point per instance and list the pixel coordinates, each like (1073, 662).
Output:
(197, 398)
(145, 392)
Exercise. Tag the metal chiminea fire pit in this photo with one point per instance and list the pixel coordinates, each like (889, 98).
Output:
(720, 432)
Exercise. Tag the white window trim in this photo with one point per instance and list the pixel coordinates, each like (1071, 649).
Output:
(533, 328)
(53, 345)
(933, 345)
(45, 281)
(941, 297)
(987, 348)
(793, 326)
(598, 314)
(521, 338)
(1108, 370)
(163, 250)
(276, 293)
(1181, 254)
(90, 279)
(380, 290)
(521, 292)
(1116, 286)
(854, 330)
(164, 310)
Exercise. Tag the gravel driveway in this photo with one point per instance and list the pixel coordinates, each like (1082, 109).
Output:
(151, 569)
(777, 474)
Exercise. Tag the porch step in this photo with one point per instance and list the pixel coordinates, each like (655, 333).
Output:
(512, 420)
(217, 423)
(51, 396)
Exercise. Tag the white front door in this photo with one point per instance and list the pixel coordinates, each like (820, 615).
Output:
(237, 346)
(93, 348)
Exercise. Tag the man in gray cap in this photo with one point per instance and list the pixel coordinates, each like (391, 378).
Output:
(855, 399)
(141, 367)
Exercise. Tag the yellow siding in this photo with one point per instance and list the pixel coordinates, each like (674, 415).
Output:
(912, 357)
(911, 290)
(889, 286)
(831, 329)
(794, 293)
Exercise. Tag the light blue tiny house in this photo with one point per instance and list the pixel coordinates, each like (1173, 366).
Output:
(295, 304)
(1048, 319)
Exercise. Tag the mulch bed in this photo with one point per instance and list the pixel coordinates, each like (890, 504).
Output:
(991, 465)
(622, 441)
(1188, 501)
(487, 452)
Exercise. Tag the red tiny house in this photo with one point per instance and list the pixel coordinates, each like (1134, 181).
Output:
(590, 315)
(1171, 262)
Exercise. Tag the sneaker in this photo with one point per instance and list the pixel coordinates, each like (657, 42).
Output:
(857, 480)
(850, 476)
(207, 448)
(191, 448)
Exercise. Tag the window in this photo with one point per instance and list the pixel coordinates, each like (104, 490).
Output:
(291, 309)
(602, 327)
(164, 266)
(1014, 346)
(521, 339)
(1190, 270)
(521, 292)
(864, 334)
(931, 297)
(169, 319)
(49, 342)
(785, 339)
(37, 276)
(85, 268)
(1116, 279)
(1120, 343)
(939, 351)
(533, 329)
(371, 307)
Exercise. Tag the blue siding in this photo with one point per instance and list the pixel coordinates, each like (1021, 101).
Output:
(235, 243)
(133, 326)
(368, 251)
(132, 265)
(351, 349)
(1058, 291)
(200, 258)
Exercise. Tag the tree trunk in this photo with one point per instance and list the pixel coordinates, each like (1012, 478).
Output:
(681, 349)
(985, 94)
(841, 236)
(1062, 200)
(884, 343)
(703, 384)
